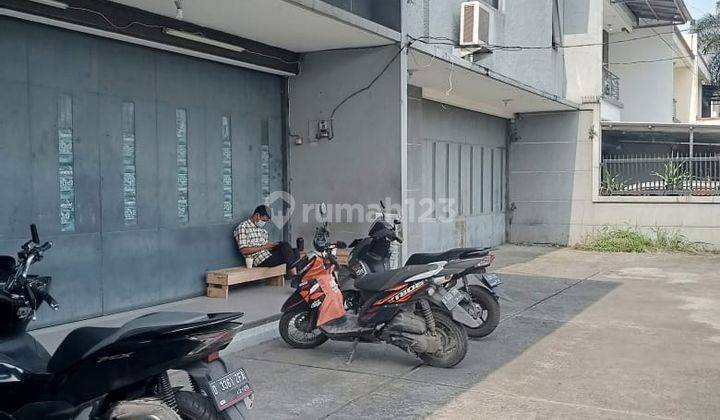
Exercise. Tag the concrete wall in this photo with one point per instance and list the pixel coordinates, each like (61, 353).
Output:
(103, 265)
(582, 25)
(384, 12)
(685, 93)
(459, 155)
(550, 177)
(517, 22)
(361, 165)
(646, 89)
(554, 173)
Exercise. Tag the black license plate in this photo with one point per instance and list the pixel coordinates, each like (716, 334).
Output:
(230, 389)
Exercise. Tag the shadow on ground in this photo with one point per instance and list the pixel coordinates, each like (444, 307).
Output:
(384, 381)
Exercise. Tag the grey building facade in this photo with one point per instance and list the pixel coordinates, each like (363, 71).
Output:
(136, 141)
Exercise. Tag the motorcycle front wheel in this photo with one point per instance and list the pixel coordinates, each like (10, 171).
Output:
(297, 331)
(487, 310)
(454, 342)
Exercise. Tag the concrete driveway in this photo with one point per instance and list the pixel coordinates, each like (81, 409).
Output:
(587, 335)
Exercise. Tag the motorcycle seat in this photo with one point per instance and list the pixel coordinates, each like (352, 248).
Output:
(378, 282)
(453, 254)
(24, 351)
(76, 345)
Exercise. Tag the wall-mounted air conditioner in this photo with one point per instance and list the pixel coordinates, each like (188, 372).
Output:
(476, 24)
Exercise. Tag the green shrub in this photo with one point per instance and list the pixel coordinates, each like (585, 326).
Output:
(627, 239)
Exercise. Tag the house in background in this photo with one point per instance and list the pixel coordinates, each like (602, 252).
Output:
(656, 146)
(137, 134)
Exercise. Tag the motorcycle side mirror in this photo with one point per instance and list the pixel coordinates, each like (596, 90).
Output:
(397, 222)
(323, 209)
(34, 233)
(340, 245)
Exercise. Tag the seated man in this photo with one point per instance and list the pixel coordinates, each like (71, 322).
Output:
(252, 240)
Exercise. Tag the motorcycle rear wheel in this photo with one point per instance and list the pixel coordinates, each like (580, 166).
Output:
(454, 342)
(193, 406)
(296, 331)
(489, 309)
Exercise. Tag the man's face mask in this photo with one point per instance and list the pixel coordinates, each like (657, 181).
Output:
(260, 223)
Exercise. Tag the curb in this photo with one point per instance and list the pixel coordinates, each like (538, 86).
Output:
(254, 333)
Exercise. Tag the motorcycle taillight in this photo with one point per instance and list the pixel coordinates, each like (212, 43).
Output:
(212, 339)
(485, 261)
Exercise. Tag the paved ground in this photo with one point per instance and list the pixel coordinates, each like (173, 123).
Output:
(586, 336)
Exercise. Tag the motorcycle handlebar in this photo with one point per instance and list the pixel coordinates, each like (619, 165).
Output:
(51, 302)
(34, 233)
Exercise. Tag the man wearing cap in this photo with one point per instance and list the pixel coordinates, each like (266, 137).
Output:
(252, 240)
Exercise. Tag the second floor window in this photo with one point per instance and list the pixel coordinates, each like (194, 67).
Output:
(493, 3)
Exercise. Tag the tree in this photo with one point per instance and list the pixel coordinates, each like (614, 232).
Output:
(708, 31)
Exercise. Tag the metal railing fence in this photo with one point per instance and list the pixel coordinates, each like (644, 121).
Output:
(661, 175)
(611, 85)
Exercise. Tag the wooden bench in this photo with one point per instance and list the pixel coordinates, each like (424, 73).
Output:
(219, 281)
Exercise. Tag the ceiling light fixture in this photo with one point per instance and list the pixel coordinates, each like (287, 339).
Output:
(201, 39)
(52, 3)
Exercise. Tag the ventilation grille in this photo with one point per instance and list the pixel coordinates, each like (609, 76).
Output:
(468, 26)
(483, 25)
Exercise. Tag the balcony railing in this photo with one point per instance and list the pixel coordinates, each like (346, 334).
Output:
(661, 175)
(611, 85)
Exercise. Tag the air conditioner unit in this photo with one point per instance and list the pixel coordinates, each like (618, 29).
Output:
(476, 24)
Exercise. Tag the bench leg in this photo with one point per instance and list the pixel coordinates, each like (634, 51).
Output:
(217, 291)
(278, 281)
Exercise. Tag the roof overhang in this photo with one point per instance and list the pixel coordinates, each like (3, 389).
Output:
(651, 13)
(264, 35)
(457, 82)
(295, 25)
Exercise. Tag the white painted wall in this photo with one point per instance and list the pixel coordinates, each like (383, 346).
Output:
(685, 93)
(646, 89)
(582, 23)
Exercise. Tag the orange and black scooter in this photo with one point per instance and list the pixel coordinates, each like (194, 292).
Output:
(397, 307)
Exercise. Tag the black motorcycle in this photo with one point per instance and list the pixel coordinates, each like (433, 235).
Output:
(113, 373)
(466, 272)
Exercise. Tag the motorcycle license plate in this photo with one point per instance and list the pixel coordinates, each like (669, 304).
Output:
(452, 298)
(492, 279)
(230, 389)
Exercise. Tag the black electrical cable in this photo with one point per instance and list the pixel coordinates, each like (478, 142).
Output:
(369, 85)
(449, 41)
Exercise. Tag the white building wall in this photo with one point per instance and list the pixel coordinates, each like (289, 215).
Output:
(645, 69)
(582, 25)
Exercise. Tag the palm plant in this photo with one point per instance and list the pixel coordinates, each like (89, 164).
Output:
(674, 176)
(611, 183)
(708, 30)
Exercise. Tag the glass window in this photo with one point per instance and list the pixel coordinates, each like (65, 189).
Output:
(493, 3)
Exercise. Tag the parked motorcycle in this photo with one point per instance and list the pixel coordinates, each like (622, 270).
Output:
(401, 307)
(112, 373)
(465, 271)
